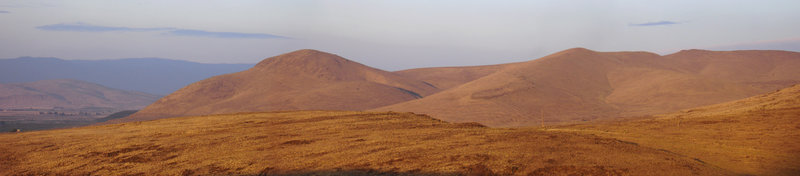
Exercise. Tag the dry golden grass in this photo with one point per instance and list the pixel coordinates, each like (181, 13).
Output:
(758, 135)
(324, 142)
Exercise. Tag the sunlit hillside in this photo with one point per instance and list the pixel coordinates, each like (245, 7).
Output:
(757, 135)
(325, 142)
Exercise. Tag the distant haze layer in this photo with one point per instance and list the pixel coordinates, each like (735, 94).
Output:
(150, 75)
(73, 94)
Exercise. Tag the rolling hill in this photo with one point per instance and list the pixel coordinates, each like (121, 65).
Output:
(70, 94)
(757, 135)
(449, 77)
(299, 80)
(150, 75)
(580, 85)
(328, 143)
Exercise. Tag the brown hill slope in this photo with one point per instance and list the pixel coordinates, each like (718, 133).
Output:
(580, 84)
(321, 143)
(300, 80)
(71, 94)
(757, 135)
(448, 77)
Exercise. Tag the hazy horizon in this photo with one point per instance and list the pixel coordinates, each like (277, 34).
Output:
(390, 35)
(510, 87)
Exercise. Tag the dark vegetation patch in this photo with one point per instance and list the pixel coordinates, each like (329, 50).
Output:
(578, 170)
(298, 142)
(472, 170)
(698, 160)
(117, 115)
(469, 125)
(416, 95)
(627, 142)
(143, 154)
(24, 126)
(479, 170)
(429, 84)
(317, 119)
(7, 159)
(357, 172)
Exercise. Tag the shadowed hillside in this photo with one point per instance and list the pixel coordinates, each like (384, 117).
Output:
(300, 80)
(320, 142)
(757, 135)
(581, 85)
(117, 115)
(70, 94)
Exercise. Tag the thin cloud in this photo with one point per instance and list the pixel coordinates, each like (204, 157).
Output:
(83, 27)
(201, 33)
(3, 11)
(660, 23)
(28, 4)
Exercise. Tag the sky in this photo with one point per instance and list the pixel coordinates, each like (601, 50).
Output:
(390, 35)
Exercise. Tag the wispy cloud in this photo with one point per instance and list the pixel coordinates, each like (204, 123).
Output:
(200, 33)
(83, 27)
(3, 11)
(29, 4)
(659, 23)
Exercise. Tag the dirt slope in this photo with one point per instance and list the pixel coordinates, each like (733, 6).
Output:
(757, 135)
(71, 94)
(324, 142)
(299, 80)
(580, 85)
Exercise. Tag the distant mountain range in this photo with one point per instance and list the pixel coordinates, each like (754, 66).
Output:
(150, 75)
(71, 94)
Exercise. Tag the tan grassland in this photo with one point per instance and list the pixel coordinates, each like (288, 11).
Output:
(328, 143)
(758, 135)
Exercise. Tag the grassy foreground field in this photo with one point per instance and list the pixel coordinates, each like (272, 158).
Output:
(325, 142)
(759, 135)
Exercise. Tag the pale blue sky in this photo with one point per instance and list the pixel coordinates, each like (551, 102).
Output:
(390, 35)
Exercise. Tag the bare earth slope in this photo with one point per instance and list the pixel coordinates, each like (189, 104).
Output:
(300, 80)
(757, 135)
(324, 142)
(70, 94)
(580, 85)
